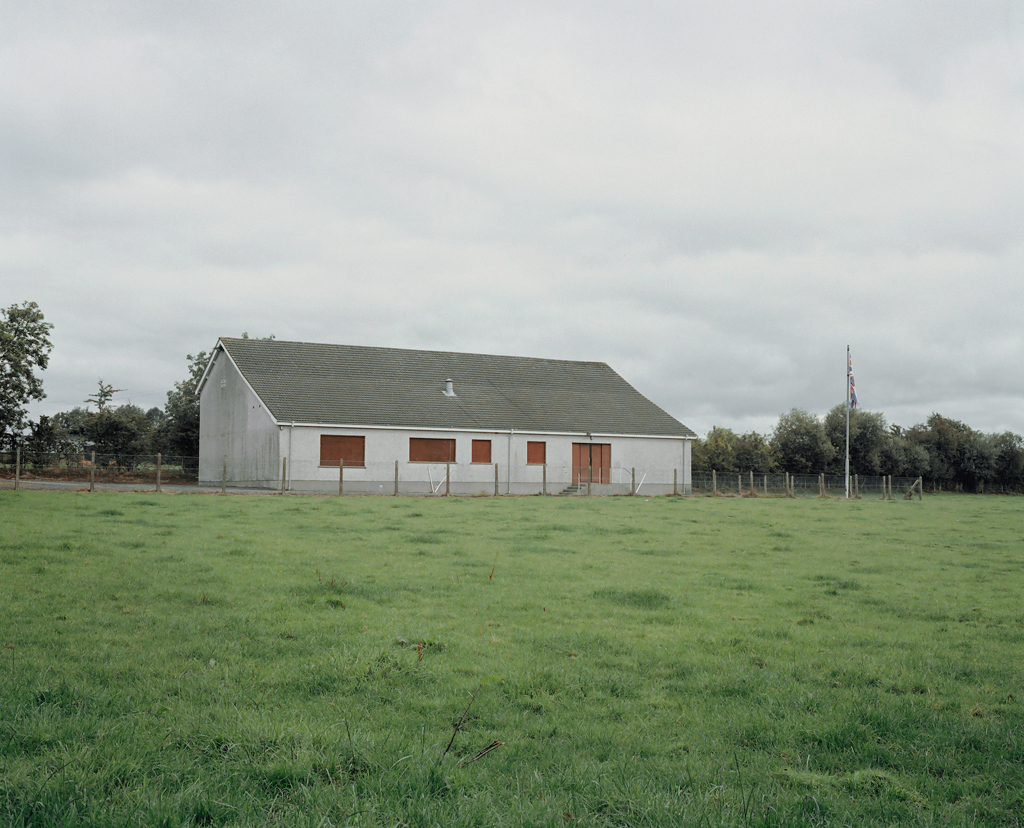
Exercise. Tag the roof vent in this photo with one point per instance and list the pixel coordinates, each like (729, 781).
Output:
(449, 390)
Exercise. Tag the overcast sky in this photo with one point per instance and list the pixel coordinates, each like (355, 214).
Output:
(715, 198)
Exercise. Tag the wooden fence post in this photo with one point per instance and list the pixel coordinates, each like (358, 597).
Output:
(341, 476)
(544, 479)
(766, 485)
(856, 485)
(17, 467)
(396, 478)
(590, 478)
(821, 484)
(632, 482)
(447, 478)
(158, 459)
(92, 473)
(920, 488)
(739, 485)
(284, 472)
(495, 479)
(752, 492)
(714, 482)
(675, 482)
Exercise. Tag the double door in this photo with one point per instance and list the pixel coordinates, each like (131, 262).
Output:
(591, 462)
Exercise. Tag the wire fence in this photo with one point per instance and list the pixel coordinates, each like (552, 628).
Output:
(398, 477)
(155, 470)
(783, 484)
(94, 469)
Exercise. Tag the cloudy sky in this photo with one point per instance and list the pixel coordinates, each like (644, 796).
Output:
(715, 198)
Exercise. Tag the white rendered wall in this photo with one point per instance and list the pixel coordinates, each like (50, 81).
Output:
(660, 464)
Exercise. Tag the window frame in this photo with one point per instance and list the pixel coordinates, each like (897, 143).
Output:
(532, 448)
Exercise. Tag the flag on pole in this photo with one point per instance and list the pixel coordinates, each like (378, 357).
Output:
(852, 399)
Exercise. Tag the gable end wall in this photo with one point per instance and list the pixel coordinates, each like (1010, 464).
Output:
(233, 423)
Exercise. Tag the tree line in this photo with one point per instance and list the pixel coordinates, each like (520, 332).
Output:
(946, 453)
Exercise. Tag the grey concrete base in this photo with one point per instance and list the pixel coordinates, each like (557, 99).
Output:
(424, 488)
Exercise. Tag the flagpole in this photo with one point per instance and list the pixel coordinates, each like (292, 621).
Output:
(847, 421)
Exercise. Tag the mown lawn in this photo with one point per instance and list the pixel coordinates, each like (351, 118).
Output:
(205, 660)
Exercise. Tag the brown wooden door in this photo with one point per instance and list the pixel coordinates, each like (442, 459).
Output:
(591, 462)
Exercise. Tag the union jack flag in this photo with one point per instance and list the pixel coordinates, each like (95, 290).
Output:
(853, 384)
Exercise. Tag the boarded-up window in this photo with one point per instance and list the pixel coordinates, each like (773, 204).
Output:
(431, 450)
(536, 453)
(335, 447)
(481, 451)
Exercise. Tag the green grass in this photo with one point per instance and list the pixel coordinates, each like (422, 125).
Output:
(220, 661)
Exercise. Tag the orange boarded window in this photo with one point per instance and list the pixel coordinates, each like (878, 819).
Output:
(335, 447)
(481, 451)
(431, 450)
(536, 453)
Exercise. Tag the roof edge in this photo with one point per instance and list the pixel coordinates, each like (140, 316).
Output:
(220, 349)
(354, 427)
(209, 364)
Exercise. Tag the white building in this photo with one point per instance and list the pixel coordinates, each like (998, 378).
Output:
(276, 414)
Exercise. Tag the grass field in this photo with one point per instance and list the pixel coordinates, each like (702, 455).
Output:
(219, 661)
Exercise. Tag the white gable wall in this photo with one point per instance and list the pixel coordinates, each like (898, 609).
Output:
(234, 424)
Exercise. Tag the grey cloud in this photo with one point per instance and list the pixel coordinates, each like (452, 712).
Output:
(714, 198)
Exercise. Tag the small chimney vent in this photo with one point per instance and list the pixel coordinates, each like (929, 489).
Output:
(449, 389)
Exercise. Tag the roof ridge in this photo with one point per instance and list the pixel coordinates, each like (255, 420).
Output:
(277, 342)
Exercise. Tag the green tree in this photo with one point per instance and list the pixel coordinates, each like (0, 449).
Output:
(179, 431)
(104, 394)
(959, 457)
(754, 452)
(901, 455)
(868, 432)
(121, 432)
(24, 349)
(1008, 460)
(42, 442)
(72, 429)
(800, 443)
(717, 451)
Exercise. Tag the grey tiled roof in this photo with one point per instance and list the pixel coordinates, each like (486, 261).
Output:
(304, 382)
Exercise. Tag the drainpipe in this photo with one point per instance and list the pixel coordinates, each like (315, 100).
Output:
(508, 466)
(288, 482)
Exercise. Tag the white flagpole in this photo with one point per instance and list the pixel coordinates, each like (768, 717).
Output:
(847, 421)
